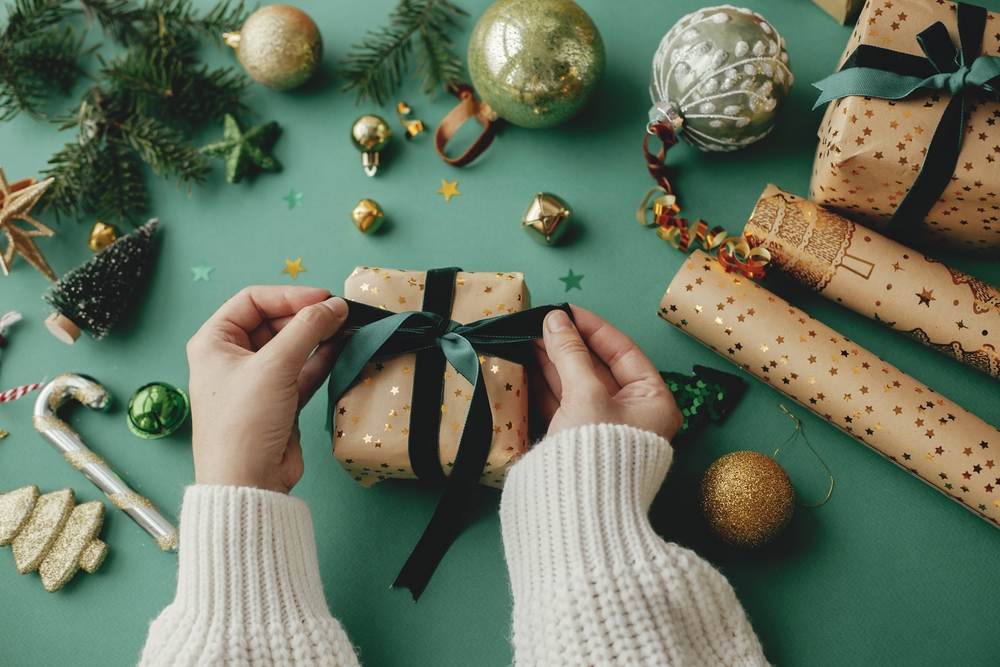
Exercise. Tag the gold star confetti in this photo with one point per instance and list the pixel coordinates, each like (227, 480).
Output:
(449, 190)
(293, 268)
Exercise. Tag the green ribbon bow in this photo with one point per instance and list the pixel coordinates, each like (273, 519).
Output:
(872, 71)
(380, 334)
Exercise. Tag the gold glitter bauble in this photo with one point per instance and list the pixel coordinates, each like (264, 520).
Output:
(747, 498)
(367, 216)
(279, 46)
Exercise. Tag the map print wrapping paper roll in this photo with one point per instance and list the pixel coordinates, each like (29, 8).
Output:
(901, 288)
(894, 414)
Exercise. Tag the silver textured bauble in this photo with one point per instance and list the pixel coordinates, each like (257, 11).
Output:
(720, 76)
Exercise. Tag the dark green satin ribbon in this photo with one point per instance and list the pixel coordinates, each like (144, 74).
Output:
(381, 334)
(872, 71)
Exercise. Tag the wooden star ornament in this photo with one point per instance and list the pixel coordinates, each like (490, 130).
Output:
(16, 202)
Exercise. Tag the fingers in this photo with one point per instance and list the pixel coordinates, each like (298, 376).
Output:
(551, 375)
(315, 370)
(253, 305)
(541, 392)
(311, 326)
(569, 355)
(626, 360)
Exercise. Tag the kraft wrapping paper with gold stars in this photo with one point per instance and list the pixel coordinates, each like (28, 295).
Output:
(894, 414)
(945, 309)
(870, 150)
(373, 416)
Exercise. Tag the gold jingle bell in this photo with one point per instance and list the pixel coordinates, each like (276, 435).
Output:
(368, 216)
(370, 135)
(102, 235)
(546, 219)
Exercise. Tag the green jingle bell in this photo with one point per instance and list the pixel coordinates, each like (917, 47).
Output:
(156, 410)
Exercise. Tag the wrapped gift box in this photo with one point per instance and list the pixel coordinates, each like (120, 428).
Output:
(373, 417)
(871, 149)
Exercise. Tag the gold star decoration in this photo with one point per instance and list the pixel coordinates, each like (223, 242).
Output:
(16, 202)
(449, 190)
(293, 268)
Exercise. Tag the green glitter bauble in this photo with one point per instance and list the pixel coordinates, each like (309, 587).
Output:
(720, 76)
(535, 62)
(157, 410)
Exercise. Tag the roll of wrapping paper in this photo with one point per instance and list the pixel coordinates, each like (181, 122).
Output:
(872, 275)
(894, 414)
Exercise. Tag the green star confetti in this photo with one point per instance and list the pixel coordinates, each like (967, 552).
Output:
(294, 198)
(247, 152)
(202, 272)
(572, 281)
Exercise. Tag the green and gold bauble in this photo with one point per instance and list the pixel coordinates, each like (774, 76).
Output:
(279, 46)
(535, 62)
(720, 77)
(157, 410)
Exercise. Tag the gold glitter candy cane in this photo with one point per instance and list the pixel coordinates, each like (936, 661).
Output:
(88, 392)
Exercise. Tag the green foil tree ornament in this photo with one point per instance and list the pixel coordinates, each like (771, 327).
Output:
(707, 395)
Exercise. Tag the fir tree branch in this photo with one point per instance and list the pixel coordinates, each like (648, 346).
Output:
(130, 24)
(128, 199)
(166, 150)
(377, 65)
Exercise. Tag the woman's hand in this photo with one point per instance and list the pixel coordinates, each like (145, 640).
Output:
(251, 373)
(592, 373)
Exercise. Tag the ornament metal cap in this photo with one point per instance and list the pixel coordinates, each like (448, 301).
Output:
(156, 410)
(370, 135)
(62, 328)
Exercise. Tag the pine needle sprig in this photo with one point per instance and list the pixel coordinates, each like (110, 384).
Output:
(377, 66)
(36, 55)
(130, 24)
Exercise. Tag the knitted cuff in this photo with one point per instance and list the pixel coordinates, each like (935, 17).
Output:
(248, 586)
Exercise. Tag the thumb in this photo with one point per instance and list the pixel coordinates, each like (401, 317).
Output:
(311, 326)
(569, 354)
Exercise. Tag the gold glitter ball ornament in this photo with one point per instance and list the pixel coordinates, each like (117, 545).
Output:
(279, 46)
(370, 135)
(747, 498)
(368, 216)
(102, 235)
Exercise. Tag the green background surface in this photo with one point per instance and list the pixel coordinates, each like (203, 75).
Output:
(888, 572)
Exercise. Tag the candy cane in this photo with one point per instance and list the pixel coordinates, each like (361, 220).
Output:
(18, 392)
(68, 442)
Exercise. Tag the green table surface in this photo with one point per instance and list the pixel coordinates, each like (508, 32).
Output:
(888, 572)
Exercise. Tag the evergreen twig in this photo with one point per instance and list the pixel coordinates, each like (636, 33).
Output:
(36, 55)
(377, 66)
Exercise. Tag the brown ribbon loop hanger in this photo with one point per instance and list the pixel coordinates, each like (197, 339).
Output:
(468, 107)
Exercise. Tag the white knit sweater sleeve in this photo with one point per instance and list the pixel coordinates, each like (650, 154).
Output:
(593, 583)
(248, 587)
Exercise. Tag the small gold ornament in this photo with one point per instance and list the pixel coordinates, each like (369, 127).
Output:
(546, 219)
(16, 202)
(412, 125)
(747, 498)
(370, 135)
(102, 235)
(279, 46)
(52, 534)
(368, 216)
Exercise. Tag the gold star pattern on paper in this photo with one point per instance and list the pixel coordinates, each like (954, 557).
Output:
(16, 203)
(449, 190)
(293, 268)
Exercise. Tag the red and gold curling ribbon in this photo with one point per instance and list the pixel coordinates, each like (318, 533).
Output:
(736, 255)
